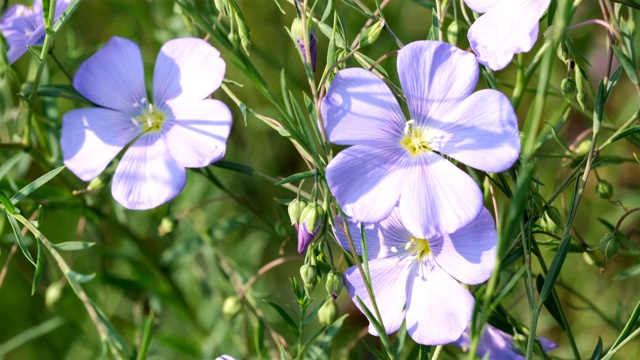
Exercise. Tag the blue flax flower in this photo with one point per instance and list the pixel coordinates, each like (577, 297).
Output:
(498, 345)
(394, 162)
(180, 128)
(507, 27)
(23, 26)
(416, 277)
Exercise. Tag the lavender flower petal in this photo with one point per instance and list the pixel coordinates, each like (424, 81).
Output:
(187, 68)
(482, 6)
(389, 281)
(437, 197)
(506, 29)
(359, 108)
(481, 132)
(92, 137)
(371, 233)
(469, 254)
(365, 181)
(438, 308)
(436, 77)
(113, 77)
(147, 175)
(196, 135)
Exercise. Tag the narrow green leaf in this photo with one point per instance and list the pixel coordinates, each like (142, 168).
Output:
(234, 166)
(37, 276)
(372, 319)
(34, 332)
(313, 313)
(46, 8)
(66, 15)
(35, 185)
(626, 132)
(61, 91)
(550, 303)
(4, 199)
(628, 273)
(297, 177)
(146, 337)
(16, 231)
(287, 319)
(597, 352)
(628, 66)
(80, 278)
(73, 245)
(599, 107)
(9, 164)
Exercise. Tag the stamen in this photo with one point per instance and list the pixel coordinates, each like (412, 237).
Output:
(416, 140)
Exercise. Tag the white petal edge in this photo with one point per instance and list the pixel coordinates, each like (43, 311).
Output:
(197, 132)
(359, 108)
(438, 308)
(147, 175)
(92, 137)
(188, 69)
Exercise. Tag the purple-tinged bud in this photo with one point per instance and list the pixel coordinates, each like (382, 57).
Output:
(311, 220)
(296, 30)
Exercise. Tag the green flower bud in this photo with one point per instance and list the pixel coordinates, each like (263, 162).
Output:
(583, 147)
(231, 307)
(371, 34)
(568, 87)
(95, 184)
(609, 245)
(312, 216)
(309, 274)
(166, 226)
(452, 32)
(334, 284)
(295, 210)
(604, 190)
(328, 313)
(52, 295)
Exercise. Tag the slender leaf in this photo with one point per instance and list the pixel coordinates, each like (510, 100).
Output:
(37, 276)
(73, 245)
(35, 185)
(287, 319)
(16, 231)
(297, 177)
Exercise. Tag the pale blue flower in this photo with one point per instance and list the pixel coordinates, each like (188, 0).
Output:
(507, 27)
(416, 277)
(394, 162)
(23, 26)
(498, 345)
(180, 128)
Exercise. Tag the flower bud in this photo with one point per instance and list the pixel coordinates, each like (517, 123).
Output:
(308, 273)
(166, 226)
(609, 245)
(452, 32)
(371, 34)
(604, 190)
(568, 87)
(311, 220)
(328, 313)
(333, 284)
(231, 307)
(583, 147)
(53, 293)
(295, 210)
(296, 30)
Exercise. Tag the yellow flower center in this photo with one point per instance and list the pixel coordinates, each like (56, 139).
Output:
(150, 117)
(420, 247)
(416, 140)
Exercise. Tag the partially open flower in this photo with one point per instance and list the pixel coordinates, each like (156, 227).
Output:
(311, 220)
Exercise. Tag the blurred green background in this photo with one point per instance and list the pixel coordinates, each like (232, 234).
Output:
(181, 260)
